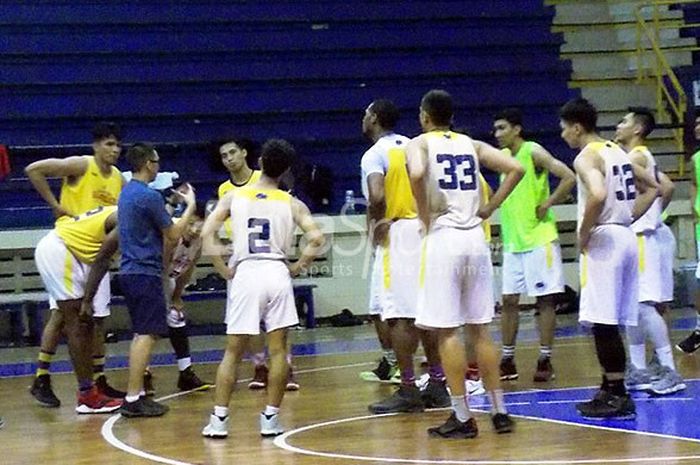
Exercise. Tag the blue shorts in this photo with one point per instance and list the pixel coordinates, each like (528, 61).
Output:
(145, 301)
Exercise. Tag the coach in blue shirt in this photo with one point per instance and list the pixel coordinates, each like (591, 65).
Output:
(144, 226)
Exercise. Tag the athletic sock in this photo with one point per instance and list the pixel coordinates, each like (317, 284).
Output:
(461, 408)
(44, 362)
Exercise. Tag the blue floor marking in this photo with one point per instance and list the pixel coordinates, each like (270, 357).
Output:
(672, 415)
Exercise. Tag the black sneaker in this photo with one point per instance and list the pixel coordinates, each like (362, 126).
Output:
(607, 405)
(42, 392)
(2, 422)
(455, 429)
(691, 343)
(502, 423)
(384, 372)
(435, 394)
(108, 390)
(545, 371)
(405, 399)
(508, 370)
(148, 384)
(144, 407)
(189, 381)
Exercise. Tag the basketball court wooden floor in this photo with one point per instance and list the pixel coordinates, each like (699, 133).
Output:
(328, 423)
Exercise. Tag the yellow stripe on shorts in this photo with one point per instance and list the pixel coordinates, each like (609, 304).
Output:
(548, 254)
(640, 252)
(386, 270)
(423, 254)
(584, 269)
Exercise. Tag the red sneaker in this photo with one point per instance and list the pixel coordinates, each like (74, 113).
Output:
(93, 401)
(259, 381)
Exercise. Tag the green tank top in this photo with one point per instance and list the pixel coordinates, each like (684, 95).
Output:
(696, 203)
(521, 231)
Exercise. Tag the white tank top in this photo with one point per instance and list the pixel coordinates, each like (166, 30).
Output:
(262, 224)
(651, 220)
(619, 186)
(453, 186)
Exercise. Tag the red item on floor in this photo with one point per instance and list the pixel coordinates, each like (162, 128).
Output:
(4, 162)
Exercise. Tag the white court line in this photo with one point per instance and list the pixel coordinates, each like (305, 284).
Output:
(280, 441)
(108, 426)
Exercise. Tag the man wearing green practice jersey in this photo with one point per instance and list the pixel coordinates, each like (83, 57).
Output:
(692, 343)
(531, 252)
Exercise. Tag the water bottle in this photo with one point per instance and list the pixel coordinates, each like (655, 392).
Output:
(349, 207)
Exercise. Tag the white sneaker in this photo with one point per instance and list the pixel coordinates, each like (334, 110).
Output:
(475, 388)
(422, 381)
(217, 428)
(270, 425)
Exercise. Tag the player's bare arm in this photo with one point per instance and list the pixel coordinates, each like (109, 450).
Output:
(38, 172)
(645, 184)
(588, 166)
(312, 233)
(377, 226)
(98, 270)
(183, 279)
(666, 188)
(211, 246)
(567, 179)
(417, 165)
(495, 160)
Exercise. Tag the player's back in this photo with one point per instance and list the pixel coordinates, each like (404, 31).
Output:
(619, 186)
(651, 220)
(263, 224)
(454, 190)
(84, 234)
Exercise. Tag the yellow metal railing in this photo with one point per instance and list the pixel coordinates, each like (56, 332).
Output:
(671, 99)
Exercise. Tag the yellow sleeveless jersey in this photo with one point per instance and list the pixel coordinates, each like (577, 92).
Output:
(84, 234)
(92, 190)
(226, 187)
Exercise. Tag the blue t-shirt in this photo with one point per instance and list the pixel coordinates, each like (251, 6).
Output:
(142, 218)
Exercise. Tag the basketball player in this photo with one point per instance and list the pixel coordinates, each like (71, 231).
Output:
(181, 266)
(63, 258)
(455, 282)
(394, 230)
(691, 343)
(655, 267)
(608, 203)
(234, 154)
(531, 252)
(89, 182)
(263, 220)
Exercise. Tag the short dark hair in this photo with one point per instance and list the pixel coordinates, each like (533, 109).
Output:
(276, 157)
(513, 115)
(437, 104)
(581, 111)
(139, 154)
(645, 117)
(249, 145)
(387, 113)
(105, 130)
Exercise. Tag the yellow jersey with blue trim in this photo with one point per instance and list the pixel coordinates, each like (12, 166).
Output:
(92, 190)
(84, 234)
(388, 157)
(263, 224)
(619, 186)
(453, 185)
(228, 186)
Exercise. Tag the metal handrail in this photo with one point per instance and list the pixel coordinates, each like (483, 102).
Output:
(671, 99)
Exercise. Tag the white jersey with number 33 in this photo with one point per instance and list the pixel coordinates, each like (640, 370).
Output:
(262, 224)
(454, 190)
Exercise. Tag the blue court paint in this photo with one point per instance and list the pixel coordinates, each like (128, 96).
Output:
(674, 415)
